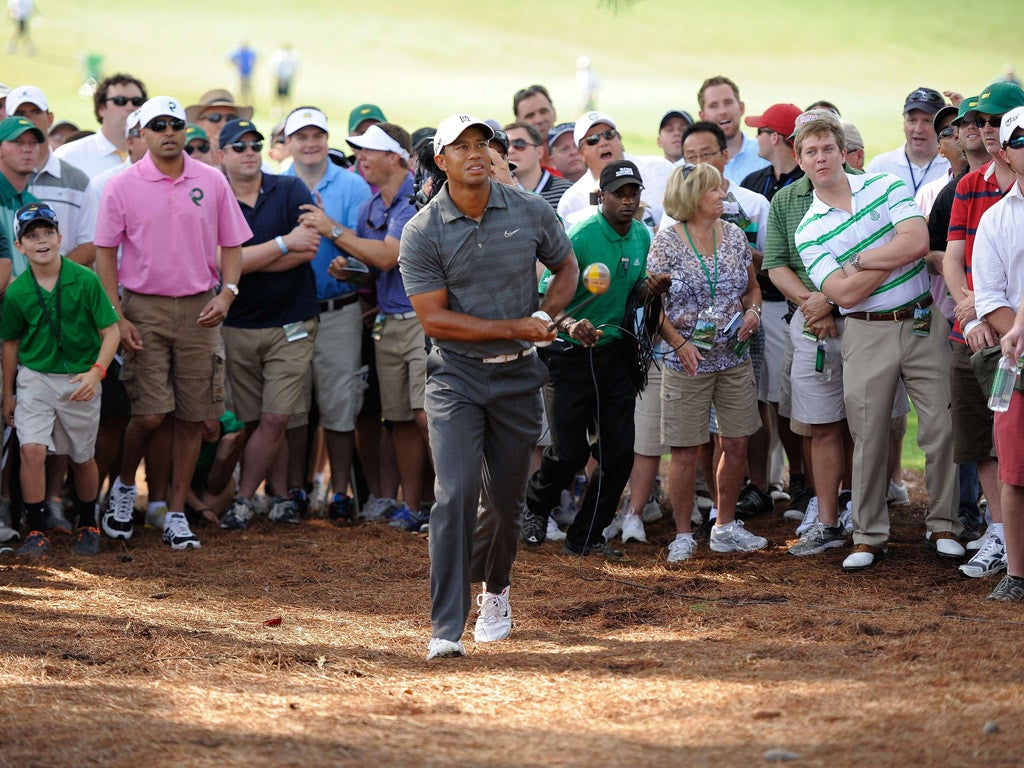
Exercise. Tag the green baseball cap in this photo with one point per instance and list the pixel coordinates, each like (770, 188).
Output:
(999, 98)
(193, 131)
(971, 102)
(362, 113)
(12, 127)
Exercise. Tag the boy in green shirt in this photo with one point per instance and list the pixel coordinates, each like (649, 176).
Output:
(59, 326)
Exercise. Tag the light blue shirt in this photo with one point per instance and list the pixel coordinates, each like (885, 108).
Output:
(745, 162)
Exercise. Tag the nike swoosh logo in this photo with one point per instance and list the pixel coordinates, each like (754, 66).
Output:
(509, 234)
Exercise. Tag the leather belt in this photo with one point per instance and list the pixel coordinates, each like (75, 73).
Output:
(509, 358)
(343, 301)
(893, 315)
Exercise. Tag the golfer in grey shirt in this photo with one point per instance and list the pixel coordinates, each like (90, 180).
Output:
(469, 264)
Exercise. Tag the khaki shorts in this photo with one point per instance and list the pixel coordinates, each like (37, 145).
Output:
(44, 415)
(338, 373)
(647, 418)
(401, 368)
(267, 373)
(686, 403)
(181, 365)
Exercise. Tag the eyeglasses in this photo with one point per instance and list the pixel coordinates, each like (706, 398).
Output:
(160, 125)
(926, 95)
(32, 212)
(377, 227)
(594, 140)
(239, 146)
(521, 144)
(703, 157)
(1017, 142)
(136, 101)
(947, 132)
(216, 117)
(203, 148)
(992, 122)
(762, 131)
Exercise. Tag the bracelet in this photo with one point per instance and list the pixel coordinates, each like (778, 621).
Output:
(280, 244)
(103, 371)
(755, 309)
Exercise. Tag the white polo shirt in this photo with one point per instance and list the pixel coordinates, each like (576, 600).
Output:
(827, 238)
(93, 154)
(897, 162)
(575, 203)
(998, 264)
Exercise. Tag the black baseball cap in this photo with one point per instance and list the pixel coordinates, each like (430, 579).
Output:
(233, 130)
(32, 213)
(616, 175)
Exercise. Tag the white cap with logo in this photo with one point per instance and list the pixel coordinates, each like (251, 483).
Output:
(452, 127)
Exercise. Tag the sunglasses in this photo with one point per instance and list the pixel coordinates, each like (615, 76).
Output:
(947, 132)
(135, 101)
(161, 123)
(375, 227)
(594, 140)
(32, 212)
(240, 146)
(216, 117)
(992, 122)
(521, 144)
(202, 149)
(927, 95)
(1017, 142)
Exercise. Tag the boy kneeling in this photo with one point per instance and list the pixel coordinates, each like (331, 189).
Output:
(58, 324)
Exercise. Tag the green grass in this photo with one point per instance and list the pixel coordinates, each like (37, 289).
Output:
(423, 61)
(913, 456)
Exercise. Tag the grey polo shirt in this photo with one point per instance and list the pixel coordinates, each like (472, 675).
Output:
(488, 268)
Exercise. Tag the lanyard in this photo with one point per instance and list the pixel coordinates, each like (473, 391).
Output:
(917, 184)
(54, 326)
(713, 284)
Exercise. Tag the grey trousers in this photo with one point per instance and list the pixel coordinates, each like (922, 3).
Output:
(484, 421)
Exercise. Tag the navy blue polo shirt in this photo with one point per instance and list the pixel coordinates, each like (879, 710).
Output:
(268, 299)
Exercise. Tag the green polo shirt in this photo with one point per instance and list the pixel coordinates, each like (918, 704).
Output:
(595, 241)
(10, 201)
(85, 309)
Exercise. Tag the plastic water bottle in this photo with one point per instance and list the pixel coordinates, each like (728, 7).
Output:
(1003, 383)
(823, 361)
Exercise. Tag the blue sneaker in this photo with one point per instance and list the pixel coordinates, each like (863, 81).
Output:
(405, 518)
(339, 511)
(300, 501)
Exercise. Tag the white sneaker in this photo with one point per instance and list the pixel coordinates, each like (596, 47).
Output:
(117, 520)
(567, 508)
(177, 533)
(495, 619)
(652, 510)
(733, 537)
(696, 518)
(377, 508)
(633, 528)
(440, 648)
(614, 528)
(554, 532)
(979, 543)
(898, 494)
(681, 548)
(846, 518)
(988, 560)
(8, 534)
(318, 498)
(810, 517)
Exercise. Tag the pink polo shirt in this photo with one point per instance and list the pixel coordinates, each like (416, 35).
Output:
(169, 229)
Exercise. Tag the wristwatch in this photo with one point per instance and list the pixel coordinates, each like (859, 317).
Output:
(855, 260)
(232, 287)
(335, 233)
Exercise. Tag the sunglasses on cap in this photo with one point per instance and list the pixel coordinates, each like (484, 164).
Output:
(980, 122)
(202, 148)
(1017, 142)
(591, 141)
(135, 101)
(521, 144)
(240, 146)
(927, 95)
(216, 117)
(33, 212)
(161, 124)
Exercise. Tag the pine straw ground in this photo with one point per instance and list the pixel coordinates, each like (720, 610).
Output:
(144, 657)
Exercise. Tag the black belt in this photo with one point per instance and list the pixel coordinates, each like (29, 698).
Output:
(893, 315)
(343, 301)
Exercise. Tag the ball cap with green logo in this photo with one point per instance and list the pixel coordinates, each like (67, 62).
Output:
(12, 128)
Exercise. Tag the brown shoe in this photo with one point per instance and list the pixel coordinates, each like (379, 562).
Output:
(946, 545)
(863, 556)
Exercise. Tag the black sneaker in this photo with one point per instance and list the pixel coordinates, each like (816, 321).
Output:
(35, 547)
(753, 502)
(300, 501)
(598, 548)
(535, 529)
(87, 541)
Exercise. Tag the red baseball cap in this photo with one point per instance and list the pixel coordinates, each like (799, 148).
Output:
(780, 118)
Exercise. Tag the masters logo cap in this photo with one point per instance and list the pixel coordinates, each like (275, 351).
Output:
(304, 117)
(12, 127)
(233, 130)
(362, 113)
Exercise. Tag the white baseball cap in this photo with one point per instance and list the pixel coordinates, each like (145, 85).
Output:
(452, 127)
(303, 117)
(160, 106)
(131, 122)
(376, 138)
(588, 121)
(26, 94)
(1012, 120)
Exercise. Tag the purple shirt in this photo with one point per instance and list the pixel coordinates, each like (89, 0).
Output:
(169, 229)
(376, 222)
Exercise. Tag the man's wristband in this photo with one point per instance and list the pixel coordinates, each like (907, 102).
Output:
(102, 370)
(280, 244)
